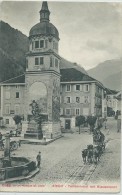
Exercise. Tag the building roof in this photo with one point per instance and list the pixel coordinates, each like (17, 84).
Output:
(71, 74)
(67, 75)
(18, 80)
(44, 27)
(119, 95)
(111, 92)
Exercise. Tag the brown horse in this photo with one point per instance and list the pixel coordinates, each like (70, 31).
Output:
(90, 153)
(97, 151)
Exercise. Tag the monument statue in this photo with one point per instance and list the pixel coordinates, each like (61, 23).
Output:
(35, 107)
(36, 119)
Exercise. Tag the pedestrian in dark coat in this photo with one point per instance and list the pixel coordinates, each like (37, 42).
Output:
(38, 158)
(0, 136)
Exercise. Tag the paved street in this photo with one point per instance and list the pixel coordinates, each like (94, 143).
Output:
(108, 169)
(59, 159)
(62, 162)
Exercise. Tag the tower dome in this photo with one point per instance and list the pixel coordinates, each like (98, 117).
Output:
(44, 27)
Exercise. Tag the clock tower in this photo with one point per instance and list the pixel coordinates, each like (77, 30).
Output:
(42, 76)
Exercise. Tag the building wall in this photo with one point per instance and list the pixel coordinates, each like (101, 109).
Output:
(112, 102)
(10, 105)
(93, 87)
(91, 106)
(104, 108)
(48, 44)
(85, 108)
(48, 52)
(98, 99)
(90, 102)
(64, 120)
(119, 104)
(45, 66)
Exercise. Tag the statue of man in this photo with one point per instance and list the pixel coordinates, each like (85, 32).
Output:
(34, 106)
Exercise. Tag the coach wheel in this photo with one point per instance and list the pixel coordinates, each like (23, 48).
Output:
(14, 145)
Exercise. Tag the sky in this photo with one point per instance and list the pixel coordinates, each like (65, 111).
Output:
(90, 32)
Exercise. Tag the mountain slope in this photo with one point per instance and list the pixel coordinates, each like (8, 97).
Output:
(108, 73)
(13, 48)
(114, 81)
(66, 64)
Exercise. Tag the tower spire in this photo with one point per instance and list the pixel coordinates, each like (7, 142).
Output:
(44, 12)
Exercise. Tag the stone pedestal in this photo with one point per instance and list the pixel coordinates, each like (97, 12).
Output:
(24, 127)
(31, 130)
(51, 130)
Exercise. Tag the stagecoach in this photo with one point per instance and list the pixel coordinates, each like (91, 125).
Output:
(93, 151)
(99, 139)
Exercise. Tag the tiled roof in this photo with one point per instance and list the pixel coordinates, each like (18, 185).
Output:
(71, 74)
(67, 75)
(17, 79)
(111, 92)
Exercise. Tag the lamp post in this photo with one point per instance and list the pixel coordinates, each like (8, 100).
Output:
(7, 160)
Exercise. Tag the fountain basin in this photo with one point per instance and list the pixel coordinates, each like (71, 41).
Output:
(20, 168)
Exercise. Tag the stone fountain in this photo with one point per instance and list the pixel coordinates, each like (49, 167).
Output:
(15, 168)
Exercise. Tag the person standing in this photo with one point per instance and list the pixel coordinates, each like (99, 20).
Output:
(105, 123)
(38, 158)
(119, 123)
(0, 136)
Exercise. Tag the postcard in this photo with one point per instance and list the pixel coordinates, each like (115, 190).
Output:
(60, 96)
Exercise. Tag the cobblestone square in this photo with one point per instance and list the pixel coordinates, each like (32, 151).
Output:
(62, 161)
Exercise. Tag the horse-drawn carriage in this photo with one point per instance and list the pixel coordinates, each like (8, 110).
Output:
(94, 151)
(99, 139)
(14, 144)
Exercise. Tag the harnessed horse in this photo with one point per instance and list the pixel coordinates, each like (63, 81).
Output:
(99, 145)
(84, 155)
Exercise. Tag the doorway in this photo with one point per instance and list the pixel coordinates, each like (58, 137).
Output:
(67, 124)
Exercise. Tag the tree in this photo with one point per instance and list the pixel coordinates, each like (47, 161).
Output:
(17, 119)
(91, 121)
(79, 121)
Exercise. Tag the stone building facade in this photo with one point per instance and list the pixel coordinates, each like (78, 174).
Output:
(80, 95)
(12, 96)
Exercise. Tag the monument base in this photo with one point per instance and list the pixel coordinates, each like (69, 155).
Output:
(51, 130)
(6, 162)
(31, 130)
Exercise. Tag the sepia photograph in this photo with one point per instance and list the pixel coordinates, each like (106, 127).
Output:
(60, 96)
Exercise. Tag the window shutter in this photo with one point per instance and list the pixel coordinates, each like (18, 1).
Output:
(81, 87)
(89, 99)
(82, 99)
(61, 111)
(70, 100)
(46, 44)
(65, 100)
(36, 44)
(51, 62)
